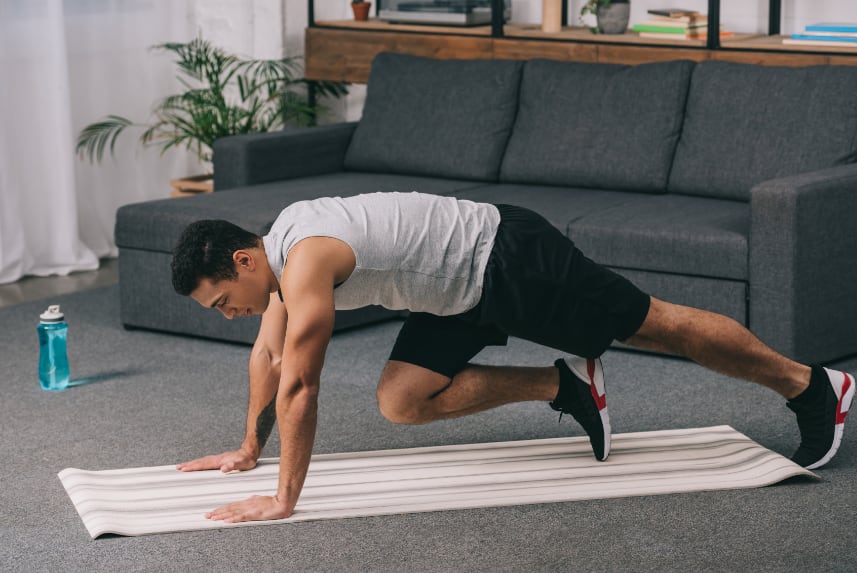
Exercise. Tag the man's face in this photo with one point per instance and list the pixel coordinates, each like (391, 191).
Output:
(245, 295)
(233, 298)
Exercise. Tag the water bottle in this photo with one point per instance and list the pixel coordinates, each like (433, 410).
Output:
(53, 358)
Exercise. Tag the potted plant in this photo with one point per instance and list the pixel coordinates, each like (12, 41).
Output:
(611, 15)
(360, 9)
(224, 95)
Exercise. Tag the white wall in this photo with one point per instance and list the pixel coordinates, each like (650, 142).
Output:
(252, 28)
(272, 29)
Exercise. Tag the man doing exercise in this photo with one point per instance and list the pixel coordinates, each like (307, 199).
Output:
(471, 274)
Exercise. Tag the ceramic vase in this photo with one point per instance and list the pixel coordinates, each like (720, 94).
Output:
(613, 18)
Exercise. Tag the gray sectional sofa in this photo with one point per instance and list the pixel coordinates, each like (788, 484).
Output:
(724, 186)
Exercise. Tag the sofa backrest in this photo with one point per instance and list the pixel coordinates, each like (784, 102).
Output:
(597, 125)
(444, 118)
(746, 124)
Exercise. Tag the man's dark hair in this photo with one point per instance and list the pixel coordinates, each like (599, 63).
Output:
(205, 250)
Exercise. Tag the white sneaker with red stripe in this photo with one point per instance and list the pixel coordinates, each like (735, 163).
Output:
(821, 413)
(582, 394)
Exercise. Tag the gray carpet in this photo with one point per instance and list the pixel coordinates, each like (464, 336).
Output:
(149, 399)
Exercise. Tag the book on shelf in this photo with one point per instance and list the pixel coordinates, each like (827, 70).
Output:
(693, 27)
(838, 41)
(842, 34)
(680, 21)
(672, 12)
(644, 27)
(692, 36)
(832, 27)
(837, 34)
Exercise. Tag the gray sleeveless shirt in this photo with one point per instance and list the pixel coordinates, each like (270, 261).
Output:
(414, 251)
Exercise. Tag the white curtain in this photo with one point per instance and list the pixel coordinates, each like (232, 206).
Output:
(67, 63)
(64, 64)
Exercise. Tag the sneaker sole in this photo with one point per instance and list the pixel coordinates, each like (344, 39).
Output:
(595, 374)
(605, 421)
(846, 396)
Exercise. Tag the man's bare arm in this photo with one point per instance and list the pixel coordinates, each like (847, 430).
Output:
(264, 370)
(265, 363)
(314, 266)
(264, 424)
(297, 398)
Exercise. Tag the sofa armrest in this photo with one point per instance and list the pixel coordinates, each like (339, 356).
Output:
(242, 160)
(803, 263)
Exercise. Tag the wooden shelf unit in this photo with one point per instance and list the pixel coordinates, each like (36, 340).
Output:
(342, 50)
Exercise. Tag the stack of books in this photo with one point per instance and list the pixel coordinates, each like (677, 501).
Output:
(674, 24)
(826, 34)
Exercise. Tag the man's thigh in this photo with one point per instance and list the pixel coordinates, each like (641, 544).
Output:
(539, 286)
(442, 344)
(405, 383)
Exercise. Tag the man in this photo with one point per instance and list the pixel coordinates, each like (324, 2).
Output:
(471, 274)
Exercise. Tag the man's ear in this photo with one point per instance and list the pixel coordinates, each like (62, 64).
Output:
(244, 259)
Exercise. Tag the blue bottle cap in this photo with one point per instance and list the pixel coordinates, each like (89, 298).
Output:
(53, 314)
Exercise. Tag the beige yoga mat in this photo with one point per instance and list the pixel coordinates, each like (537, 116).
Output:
(140, 501)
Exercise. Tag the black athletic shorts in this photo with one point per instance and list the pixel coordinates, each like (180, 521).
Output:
(537, 286)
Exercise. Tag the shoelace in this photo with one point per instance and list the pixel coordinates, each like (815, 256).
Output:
(562, 410)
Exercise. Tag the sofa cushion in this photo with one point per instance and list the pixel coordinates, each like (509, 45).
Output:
(559, 205)
(436, 117)
(746, 124)
(156, 225)
(669, 233)
(605, 126)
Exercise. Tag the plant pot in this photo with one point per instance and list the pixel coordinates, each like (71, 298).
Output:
(194, 185)
(613, 19)
(361, 10)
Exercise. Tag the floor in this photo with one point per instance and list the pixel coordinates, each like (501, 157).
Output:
(34, 288)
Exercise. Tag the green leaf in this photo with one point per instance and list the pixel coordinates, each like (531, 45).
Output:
(221, 95)
(95, 137)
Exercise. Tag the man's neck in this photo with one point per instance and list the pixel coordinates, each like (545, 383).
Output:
(263, 266)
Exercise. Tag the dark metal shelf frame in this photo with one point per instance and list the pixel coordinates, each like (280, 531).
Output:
(712, 39)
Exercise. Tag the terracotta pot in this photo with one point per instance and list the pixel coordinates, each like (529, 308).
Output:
(361, 10)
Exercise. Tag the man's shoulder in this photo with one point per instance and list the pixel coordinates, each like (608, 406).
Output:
(319, 260)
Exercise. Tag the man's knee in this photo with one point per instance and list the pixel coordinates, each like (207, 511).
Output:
(405, 391)
(661, 328)
(396, 406)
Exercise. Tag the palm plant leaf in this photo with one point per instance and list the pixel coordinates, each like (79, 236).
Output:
(185, 59)
(328, 89)
(222, 95)
(96, 136)
(295, 109)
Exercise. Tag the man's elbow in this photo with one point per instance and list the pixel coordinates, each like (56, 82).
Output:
(300, 388)
(264, 357)
(296, 401)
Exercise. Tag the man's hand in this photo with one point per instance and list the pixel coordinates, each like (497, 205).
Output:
(225, 462)
(256, 508)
